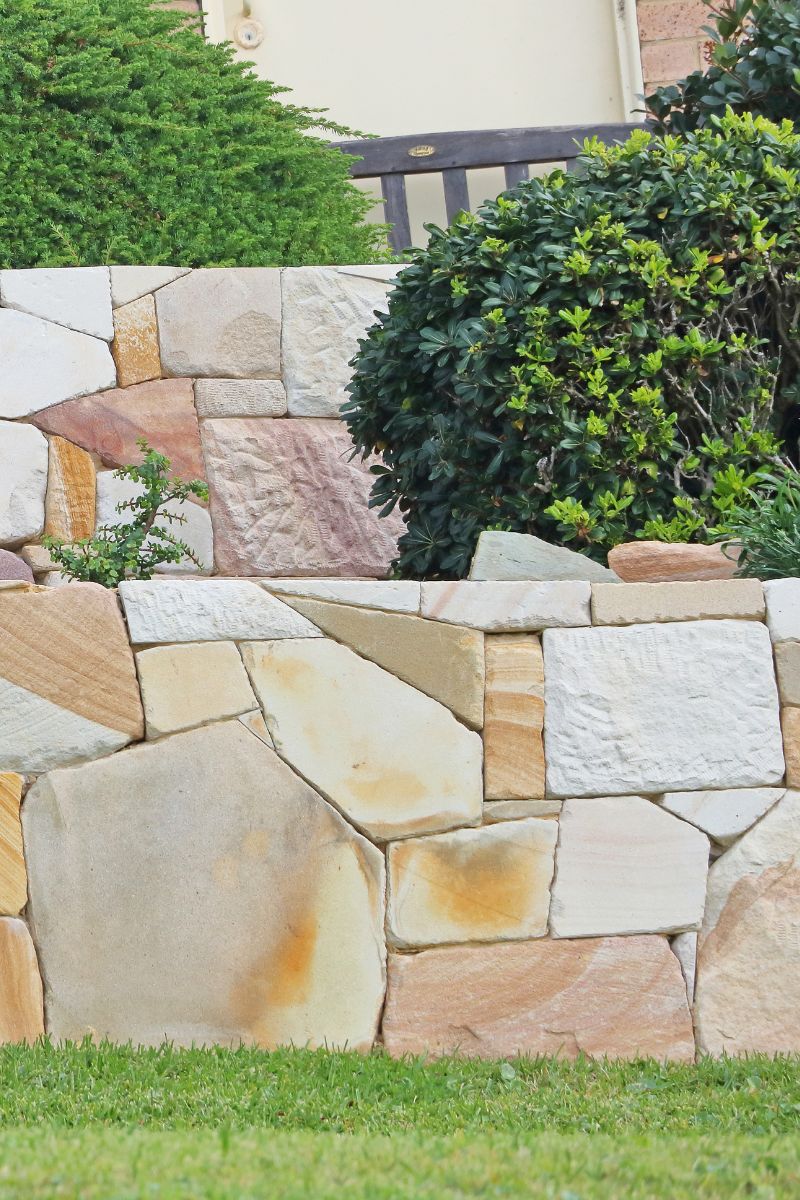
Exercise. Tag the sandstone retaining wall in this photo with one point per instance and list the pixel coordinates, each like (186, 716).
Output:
(471, 817)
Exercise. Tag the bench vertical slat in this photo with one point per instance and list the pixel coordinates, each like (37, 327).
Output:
(395, 202)
(456, 192)
(516, 173)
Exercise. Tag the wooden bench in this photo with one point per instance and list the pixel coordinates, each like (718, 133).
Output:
(390, 159)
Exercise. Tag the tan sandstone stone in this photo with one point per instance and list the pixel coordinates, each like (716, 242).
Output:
(472, 885)
(69, 511)
(748, 960)
(68, 687)
(790, 724)
(621, 997)
(393, 760)
(192, 684)
(21, 1006)
(787, 663)
(639, 603)
(662, 562)
(443, 661)
(135, 346)
(196, 890)
(508, 606)
(514, 718)
(517, 810)
(13, 879)
(626, 866)
(255, 723)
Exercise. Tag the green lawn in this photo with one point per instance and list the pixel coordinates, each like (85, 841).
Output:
(117, 1124)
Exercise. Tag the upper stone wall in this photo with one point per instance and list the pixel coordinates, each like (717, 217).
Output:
(672, 39)
(237, 375)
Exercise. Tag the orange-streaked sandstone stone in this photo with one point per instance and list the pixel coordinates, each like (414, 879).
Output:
(790, 724)
(135, 345)
(21, 1004)
(514, 718)
(69, 510)
(13, 879)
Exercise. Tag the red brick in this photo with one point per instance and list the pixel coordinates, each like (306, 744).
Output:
(670, 20)
(670, 60)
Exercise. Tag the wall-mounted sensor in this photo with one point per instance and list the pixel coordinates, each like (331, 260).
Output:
(248, 33)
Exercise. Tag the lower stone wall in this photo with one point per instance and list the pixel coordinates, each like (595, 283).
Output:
(672, 38)
(481, 818)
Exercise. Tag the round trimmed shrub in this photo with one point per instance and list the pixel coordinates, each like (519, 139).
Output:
(126, 138)
(596, 355)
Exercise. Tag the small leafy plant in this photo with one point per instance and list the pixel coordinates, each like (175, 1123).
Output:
(767, 532)
(134, 549)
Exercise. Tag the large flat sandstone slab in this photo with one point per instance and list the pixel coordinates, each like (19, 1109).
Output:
(238, 907)
(44, 364)
(287, 500)
(642, 603)
(23, 482)
(657, 708)
(393, 760)
(209, 610)
(77, 297)
(507, 607)
(748, 964)
(620, 997)
(195, 684)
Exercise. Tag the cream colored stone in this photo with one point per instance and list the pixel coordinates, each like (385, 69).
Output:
(21, 1006)
(790, 725)
(625, 866)
(443, 661)
(129, 283)
(684, 947)
(787, 663)
(13, 879)
(641, 603)
(44, 364)
(472, 885)
(69, 511)
(660, 708)
(77, 297)
(615, 997)
(192, 684)
(783, 609)
(522, 556)
(514, 718)
(748, 959)
(240, 398)
(392, 760)
(724, 816)
(196, 890)
(255, 723)
(516, 810)
(662, 562)
(23, 481)
(135, 347)
(207, 610)
(37, 558)
(391, 595)
(507, 607)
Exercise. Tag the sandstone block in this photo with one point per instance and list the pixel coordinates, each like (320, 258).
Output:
(212, 610)
(662, 562)
(13, 878)
(783, 609)
(13, 567)
(523, 556)
(790, 724)
(507, 607)
(442, 661)
(643, 603)
(240, 398)
(23, 482)
(129, 283)
(192, 684)
(514, 718)
(658, 708)
(724, 816)
(516, 810)
(37, 558)
(193, 526)
(68, 687)
(21, 1006)
(787, 663)
(69, 511)
(748, 958)
(238, 907)
(625, 866)
(399, 764)
(472, 885)
(222, 323)
(135, 347)
(77, 297)
(44, 364)
(326, 310)
(684, 947)
(615, 997)
(391, 595)
(255, 723)
(286, 500)
(110, 424)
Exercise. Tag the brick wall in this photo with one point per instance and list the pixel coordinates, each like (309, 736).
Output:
(672, 38)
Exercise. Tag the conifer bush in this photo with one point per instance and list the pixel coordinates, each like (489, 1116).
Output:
(126, 138)
(596, 355)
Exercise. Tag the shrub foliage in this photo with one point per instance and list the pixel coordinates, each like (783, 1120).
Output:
(754, 67)
(596, 354)
(126, 138)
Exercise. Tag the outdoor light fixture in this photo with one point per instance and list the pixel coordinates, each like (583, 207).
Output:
(248, 32)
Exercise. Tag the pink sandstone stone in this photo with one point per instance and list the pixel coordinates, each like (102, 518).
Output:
(108, 424)
(286, 500)
(12, 567)
(662, 562)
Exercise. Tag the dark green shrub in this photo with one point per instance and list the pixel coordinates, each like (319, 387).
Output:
(767, 533)
(754, 67)
(125, 138)
(595, 355)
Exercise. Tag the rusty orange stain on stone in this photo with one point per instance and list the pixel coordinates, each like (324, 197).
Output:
(279, 978)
